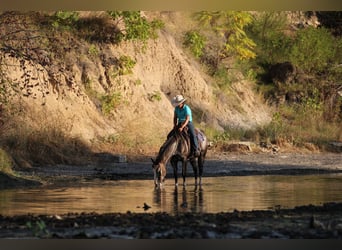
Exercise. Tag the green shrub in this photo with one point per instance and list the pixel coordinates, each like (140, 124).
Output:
(223, 78)
(124, 66)
(93, 51)
(110, 102)
(195, 42)
(230, 27)
(313, 49)
(155, 96)
(267, 31)
(136, 27)
(65, 19)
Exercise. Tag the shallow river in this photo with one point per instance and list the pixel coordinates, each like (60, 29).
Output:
(217, 194)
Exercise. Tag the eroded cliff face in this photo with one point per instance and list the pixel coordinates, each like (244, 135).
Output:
(69, 91)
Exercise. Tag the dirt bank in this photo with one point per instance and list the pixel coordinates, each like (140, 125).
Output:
(302, 222)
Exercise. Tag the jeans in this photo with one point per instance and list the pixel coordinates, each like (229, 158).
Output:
(193, 139)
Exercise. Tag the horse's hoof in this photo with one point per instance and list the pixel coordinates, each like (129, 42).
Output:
(176, 184)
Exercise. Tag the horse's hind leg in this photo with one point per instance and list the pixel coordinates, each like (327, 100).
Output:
(174, 163)
(195, 168)
(184, 166)
(200, 167)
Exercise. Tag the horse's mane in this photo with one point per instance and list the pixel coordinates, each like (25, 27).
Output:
(167, 144)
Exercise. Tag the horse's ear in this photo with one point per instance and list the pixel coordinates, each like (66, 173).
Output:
(153, 161)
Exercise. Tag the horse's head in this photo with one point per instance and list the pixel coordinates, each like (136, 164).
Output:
(159, 171)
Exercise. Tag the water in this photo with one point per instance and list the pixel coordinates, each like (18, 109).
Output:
(217, 194)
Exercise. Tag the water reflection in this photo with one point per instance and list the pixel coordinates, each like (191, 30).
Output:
(184, 199)
(217, 194)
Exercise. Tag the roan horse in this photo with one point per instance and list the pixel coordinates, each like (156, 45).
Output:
(177, 148)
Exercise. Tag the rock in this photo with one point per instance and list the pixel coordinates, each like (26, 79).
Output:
(238, 147)
(335, 147)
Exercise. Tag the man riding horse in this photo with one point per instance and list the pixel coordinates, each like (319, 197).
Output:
(181, 145)
(183, 118)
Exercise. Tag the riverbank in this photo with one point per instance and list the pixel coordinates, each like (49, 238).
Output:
(305, 222)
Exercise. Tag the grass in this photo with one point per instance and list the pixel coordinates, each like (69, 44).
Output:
(5, 162)
(293, 128)
(135, 140)
(42, 143)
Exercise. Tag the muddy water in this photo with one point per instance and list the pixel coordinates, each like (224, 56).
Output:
(217, 194)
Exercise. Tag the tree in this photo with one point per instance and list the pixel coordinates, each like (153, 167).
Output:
(132, 26)
(313, 49)
(229, 25)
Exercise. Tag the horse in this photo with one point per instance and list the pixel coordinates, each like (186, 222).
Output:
(177, 148)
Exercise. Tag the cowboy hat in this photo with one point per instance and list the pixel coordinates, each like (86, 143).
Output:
(177, 100)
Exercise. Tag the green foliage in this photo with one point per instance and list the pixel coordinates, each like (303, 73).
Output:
(93, 51)
(110, 102)
(64, 19)
(155, 96)
(313, 49)
(38, 228)
(312, 103)
(195, 42)
(275, 128)
(267, 30)
(136, 27)
(230, 26)
(314, 52)
(266, 24)
(124, 66)
(223, 78)
(221, 137)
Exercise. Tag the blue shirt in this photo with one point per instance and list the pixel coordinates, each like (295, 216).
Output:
(181, 113)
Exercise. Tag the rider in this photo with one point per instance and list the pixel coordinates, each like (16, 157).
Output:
(183, 117)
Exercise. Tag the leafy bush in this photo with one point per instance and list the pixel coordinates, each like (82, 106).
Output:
(135, 27)
(93, 51)
(229, 25)
(110, 102)
(223, 78)
(65, 19)
(312, 49)
(195, 42)
(155, 96)
(124, 66)
(267, 31)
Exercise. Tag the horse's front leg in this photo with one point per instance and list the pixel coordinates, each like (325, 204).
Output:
(184, 166)
(174, 164)
(195, 168)
(200, 168)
